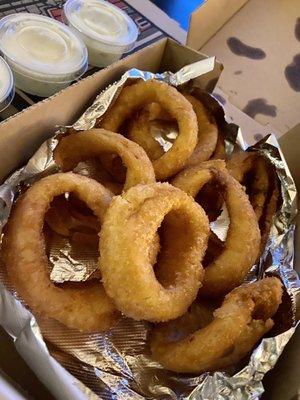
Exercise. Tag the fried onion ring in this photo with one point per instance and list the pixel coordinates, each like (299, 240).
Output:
(207, 133)
(220, 151)
(68, 218)
(140, 129)
(135, 97)
(269, 212)
(242, 163)
(262, 187)
(92, 168)
(243, 318)
(243, 237)
(80, 146)
(86, 307)
(130, 226)
(58, 217)
(64, 219)
(140, 132)
(73, 149)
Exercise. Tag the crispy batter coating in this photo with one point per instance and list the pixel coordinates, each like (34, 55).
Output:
(64, 218)
(85, 307)
(242, 163)
(220, 151)
(229, 269)
(140, 131)
(207, 133)
(135, 97)
(262, 187)
(89, 147)
(80, 146)
(127, 235)
(243, 318)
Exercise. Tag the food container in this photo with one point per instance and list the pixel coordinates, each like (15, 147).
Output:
(62, 373)
(44, 55)
(7, 90)
(22, 134)
(106, 30)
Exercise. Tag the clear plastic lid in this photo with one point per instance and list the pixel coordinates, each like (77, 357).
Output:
(103, 22)
(6, 85)
(42, 48)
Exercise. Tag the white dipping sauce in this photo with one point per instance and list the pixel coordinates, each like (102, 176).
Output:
(107, 31)
(45, 55)
(6, 85)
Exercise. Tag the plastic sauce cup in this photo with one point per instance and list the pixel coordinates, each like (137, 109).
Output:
(44, 55)
(7, 90)
(107, 31)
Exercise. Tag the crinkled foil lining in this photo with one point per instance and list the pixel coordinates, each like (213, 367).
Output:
(117, 364)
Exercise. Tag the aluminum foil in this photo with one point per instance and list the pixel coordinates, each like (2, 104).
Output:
(117, 364)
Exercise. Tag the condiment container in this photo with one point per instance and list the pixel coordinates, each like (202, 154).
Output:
(44, 55)
(7, 90)
(107, 31)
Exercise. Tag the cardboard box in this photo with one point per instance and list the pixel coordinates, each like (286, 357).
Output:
(23, 133)
(258, 42)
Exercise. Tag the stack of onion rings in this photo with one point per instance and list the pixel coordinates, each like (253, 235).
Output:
(158, 261)
(83, 145)
(135, 97)
(140, 131)
(243, 318)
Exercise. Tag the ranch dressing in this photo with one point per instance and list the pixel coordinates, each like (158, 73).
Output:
(107, 31)
(6, 85)
(44, 55)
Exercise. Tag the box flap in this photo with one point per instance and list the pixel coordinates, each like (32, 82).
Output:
(207, 19)
(260, 50)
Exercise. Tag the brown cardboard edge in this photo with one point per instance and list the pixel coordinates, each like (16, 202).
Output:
(167, 58)
(81, 82)
(35, 124)
(209, 18)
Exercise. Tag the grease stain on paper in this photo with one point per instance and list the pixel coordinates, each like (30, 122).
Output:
(241, 49)
(260, 106)
(297, 29)
(258, 137)
(292, 73)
